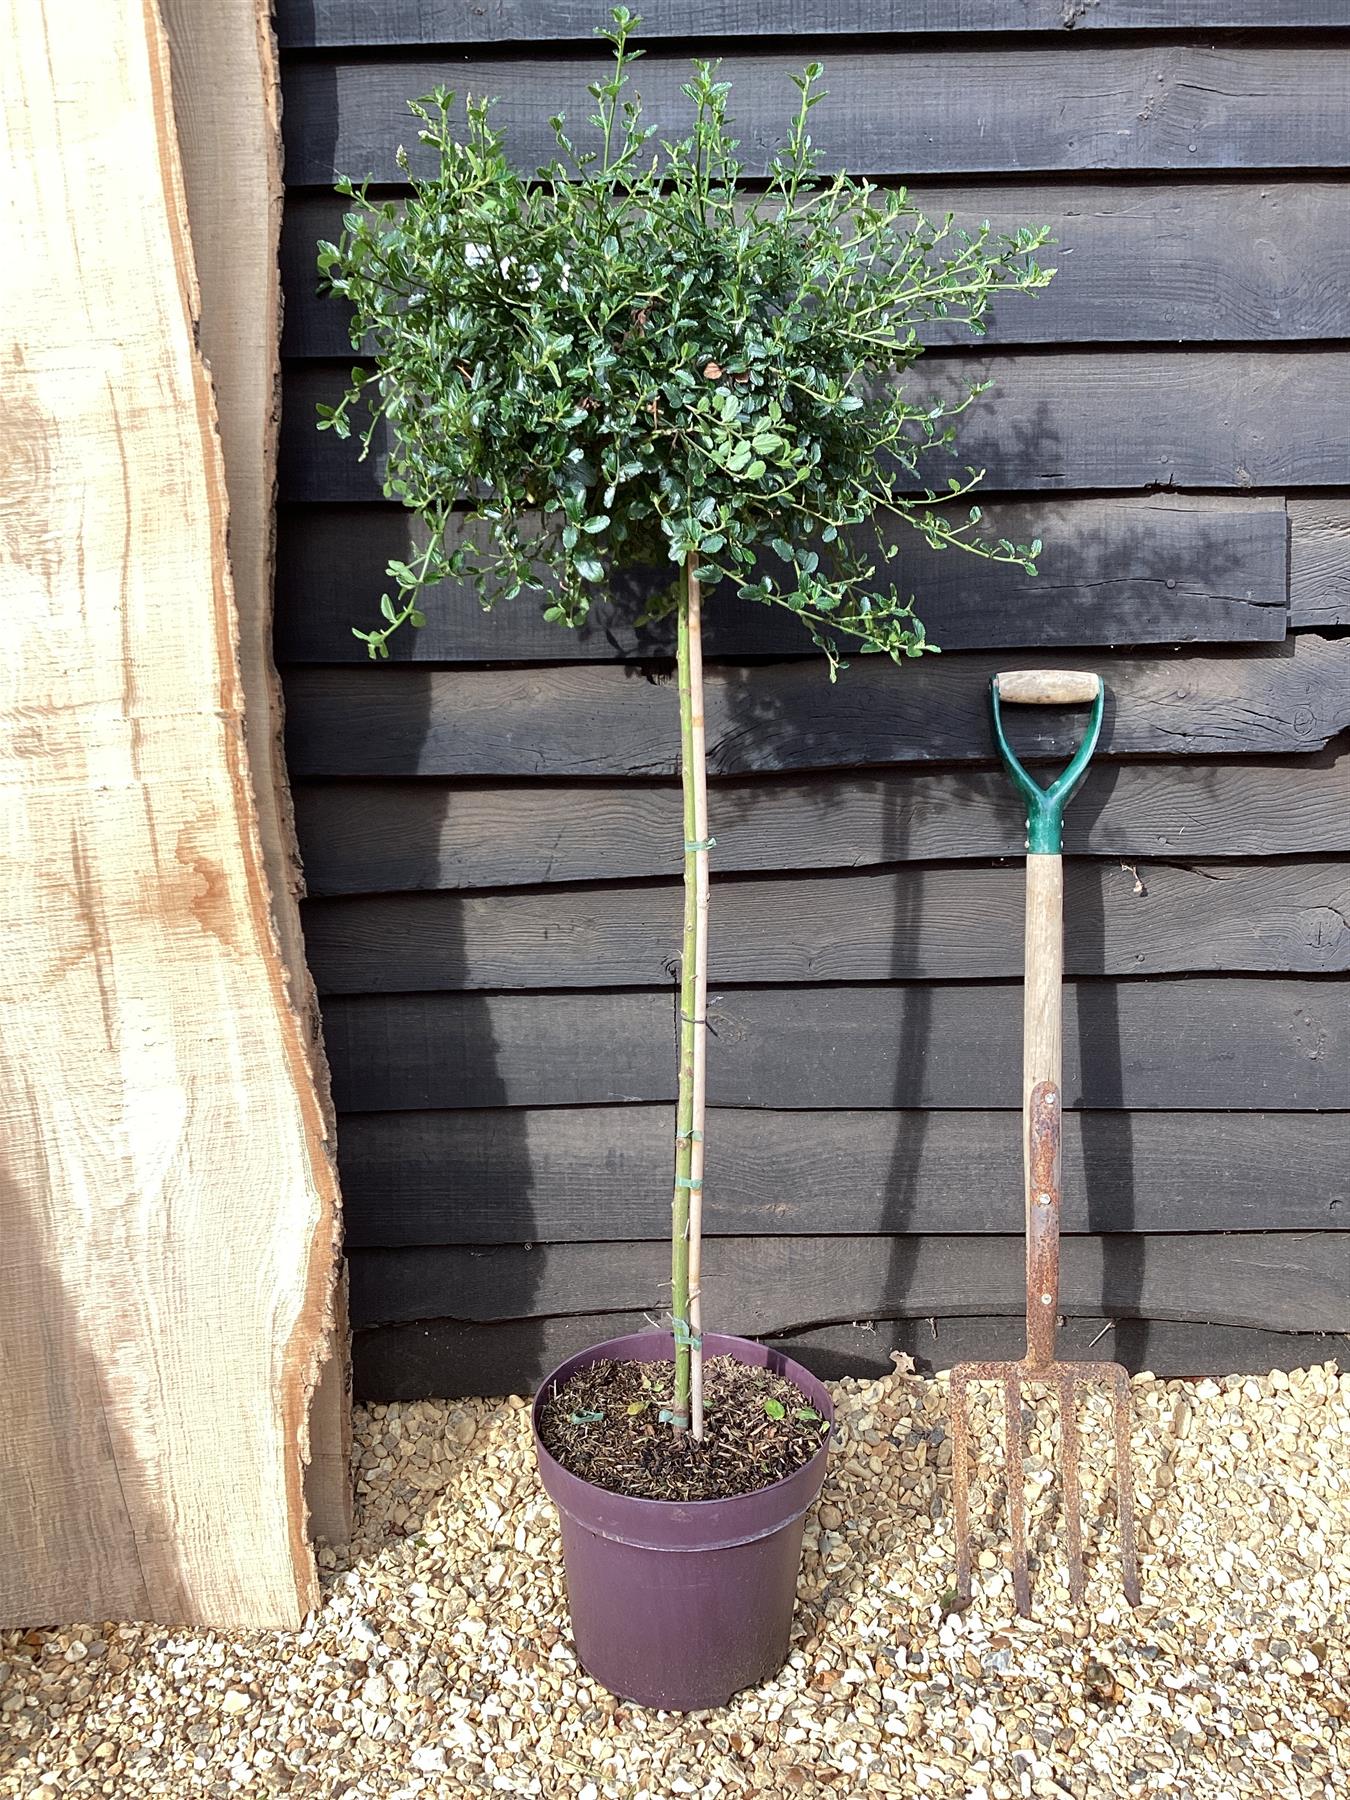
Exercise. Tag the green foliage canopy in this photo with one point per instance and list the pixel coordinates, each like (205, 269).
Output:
(624, 360)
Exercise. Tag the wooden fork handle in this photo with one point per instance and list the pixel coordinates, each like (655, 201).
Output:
(1048, 687)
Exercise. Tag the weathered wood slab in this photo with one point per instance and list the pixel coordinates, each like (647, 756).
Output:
(168, 1202)
(1204, 284)
(1064, 421)
(1319, 562)
(1164, 569)
(324, 23)
(226, 98)
(595, 721)
(916, 924)
(1237, 1042)
(445, 1357)
(1272, 1280)
(1128, 106)
(370, 837)
(524, 1175)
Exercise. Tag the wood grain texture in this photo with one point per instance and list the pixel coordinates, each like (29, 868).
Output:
(1048, 687)
(503, 1175)
(1011, 109)
(1280, 1281)
(950, 923)
(1319, 562)
(226, 98)
(371, 837)
(1161, 569)
(1042, 998)
(1237, 1043)
(593, 722)
(1135, 262)
(160, 1112)
(1068, 421)
(323, 23)
(445, 1357)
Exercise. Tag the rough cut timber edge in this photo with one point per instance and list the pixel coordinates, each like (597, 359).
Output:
(227, 106)
(104, 77)
(305, 1351)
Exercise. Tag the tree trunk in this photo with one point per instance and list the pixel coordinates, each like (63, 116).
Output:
(168, 1201)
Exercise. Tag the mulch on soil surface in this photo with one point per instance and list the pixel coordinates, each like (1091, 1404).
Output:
(605, 1426)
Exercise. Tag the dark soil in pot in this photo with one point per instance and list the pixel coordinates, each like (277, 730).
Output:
(605, 1426)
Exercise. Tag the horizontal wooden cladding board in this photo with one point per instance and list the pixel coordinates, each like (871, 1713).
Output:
(448, 1359)
(560, 1174)
(1135, 262)
(374, 837)
(1167, 1348)
(1161, 569)
(951, 922)
(1319, 562)
(367, 837)
(599, 722)
(1003, 108)
(1074, 419)
(306, 24)
(1282, 1281)
(1235, 1042)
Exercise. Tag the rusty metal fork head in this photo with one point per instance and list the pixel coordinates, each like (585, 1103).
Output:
(1040, 1366)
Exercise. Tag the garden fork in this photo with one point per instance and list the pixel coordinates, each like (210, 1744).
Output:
(1042, 1134)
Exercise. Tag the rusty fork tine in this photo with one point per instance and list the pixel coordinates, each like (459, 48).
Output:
(1125, 1483)
(1012, 1412)
(956, 1400)
(1068, 1437)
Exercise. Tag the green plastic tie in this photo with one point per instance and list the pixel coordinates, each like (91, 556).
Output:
(688, 1137)
(685, 1338)
(587, 1418)
(667, 1417)
(692, 845)
(689, 1181)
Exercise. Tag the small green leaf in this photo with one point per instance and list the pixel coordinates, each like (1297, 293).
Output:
(775, 1409)
(805, 1412)
(636, 1407)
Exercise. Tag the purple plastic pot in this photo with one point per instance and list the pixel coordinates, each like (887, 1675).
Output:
(680, 1604)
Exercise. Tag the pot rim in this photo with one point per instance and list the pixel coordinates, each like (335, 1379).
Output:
(721, 1339)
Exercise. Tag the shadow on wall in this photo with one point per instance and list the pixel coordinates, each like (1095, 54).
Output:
(455, 1064)
(1106, 1127)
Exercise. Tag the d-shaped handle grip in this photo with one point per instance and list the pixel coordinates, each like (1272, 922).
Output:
(1048, 687)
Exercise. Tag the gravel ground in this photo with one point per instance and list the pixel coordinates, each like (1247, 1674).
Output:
(439, 1664)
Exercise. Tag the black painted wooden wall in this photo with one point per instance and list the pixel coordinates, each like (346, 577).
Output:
(490, 825)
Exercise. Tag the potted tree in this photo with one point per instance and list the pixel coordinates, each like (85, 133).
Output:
(624, 360)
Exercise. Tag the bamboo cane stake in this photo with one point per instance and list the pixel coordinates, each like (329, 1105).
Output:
(699, 783)
(687, 1203)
